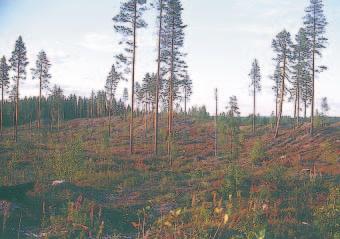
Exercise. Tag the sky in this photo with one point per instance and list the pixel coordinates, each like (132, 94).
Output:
(222, 39)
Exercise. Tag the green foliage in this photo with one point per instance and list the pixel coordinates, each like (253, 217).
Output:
(236, 181)
(327, 217)
(328, 152)
(106, 139)
(199, 113)
(258, 153)
(68, 163)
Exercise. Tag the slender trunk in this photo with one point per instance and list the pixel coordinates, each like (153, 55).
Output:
(298, 105)
(276, 104)
(133, 75)
(281, 96)
(146, 119)
(2, 108)
(185, 104)
(254, 107)
(58, 119)
(295, 105)
(109, 111)
(171, 89)
(313, 80)
(39, 103)
(216, 112)
(13, 118)
(17, 105)
(305, 110)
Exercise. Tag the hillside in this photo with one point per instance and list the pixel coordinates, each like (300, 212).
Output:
(107, 191)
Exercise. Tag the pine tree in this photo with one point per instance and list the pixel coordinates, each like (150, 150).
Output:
(282, 46)
(187, 91)
(4, 84)
(112, 81)
(41, 73)
(18, 65)
(301, 72)
(315, 25)
(160, 8)
(276, 77)
(173, 56)
(233, 114)
(126, 23)
(255, 85)
(57, 99)
(233, 109)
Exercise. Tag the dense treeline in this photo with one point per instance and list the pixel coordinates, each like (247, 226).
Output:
(71, 107)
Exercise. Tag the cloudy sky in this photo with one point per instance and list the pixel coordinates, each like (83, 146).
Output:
(222, 38)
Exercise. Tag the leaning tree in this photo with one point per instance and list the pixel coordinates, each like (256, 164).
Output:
(282, 46)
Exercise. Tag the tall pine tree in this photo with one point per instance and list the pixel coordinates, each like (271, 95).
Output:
(111, 85)
(4, 84)
(282, 46)
(41, 73)
(315, 24)
(173, 56)
(18, 65)
(126, 23)
(301, 71)
(255, 85)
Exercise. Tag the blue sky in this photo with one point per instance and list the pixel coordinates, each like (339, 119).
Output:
(222, 38)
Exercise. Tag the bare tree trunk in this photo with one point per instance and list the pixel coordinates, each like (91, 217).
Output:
(254, 108)
(2, 109)
(216, 112)
(170, 115)
(133, 76)
(281, 96)
(13, 119)
(185, 104)
(313, 83)
(146, 119)
(276, 105)
(298, 105)
(295, 105)
(17, 106)
(109, 111)
(39, 104)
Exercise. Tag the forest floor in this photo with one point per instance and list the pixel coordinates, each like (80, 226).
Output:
(123, 190)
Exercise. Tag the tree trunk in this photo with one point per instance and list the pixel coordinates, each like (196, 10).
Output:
(39, 104)
(313, 80)
(298, 105)
(254, 107)
(17, 105)
(133, 75)
(185, 104)
(216, 112)
(109, 111)
(146, 119)
(2, 109)
(170, 115)
(281, 97)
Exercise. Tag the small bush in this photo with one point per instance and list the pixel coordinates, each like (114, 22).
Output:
(258, 153)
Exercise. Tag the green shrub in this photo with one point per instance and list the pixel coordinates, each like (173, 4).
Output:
(258, 153)
(67, 164)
